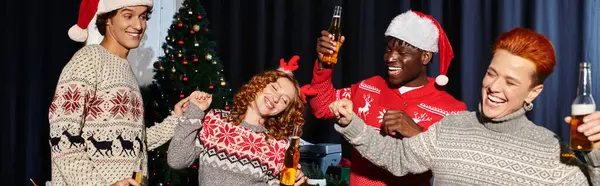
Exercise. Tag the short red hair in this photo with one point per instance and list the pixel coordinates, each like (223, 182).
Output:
(530, 45)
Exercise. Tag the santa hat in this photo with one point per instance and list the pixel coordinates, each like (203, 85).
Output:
(289, 68)
(90, 8)
(425, 33)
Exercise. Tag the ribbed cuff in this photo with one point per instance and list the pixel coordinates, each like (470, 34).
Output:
(193, 112)
(353, 130)
(593, 158)
(320, 76)
(175, 115)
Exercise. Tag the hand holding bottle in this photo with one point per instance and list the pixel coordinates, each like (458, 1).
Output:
(326, 45)
(300, 177)
(590, 128)
(582, 133)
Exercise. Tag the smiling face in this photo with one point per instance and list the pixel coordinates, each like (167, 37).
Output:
(275, 97)
(271, 99)
(405, 62)
(127, 26)
(508, 83)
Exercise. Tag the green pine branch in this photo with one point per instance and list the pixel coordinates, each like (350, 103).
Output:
(189, 63)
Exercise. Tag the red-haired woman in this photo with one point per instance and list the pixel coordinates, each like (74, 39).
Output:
(246, 146)
(496, 145)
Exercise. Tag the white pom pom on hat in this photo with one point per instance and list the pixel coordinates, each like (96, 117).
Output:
(87, 11)
(441, 80)
(424, 32)
(78, 34)
(89, 8)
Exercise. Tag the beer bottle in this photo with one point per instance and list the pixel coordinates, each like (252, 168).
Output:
(582, 106)
(336, 30)
(291, 159)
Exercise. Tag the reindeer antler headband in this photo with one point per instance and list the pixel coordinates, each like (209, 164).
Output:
(289, 68)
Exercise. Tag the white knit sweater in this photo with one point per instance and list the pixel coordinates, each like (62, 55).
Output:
(97, 131)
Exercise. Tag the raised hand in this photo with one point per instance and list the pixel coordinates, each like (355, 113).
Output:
(201, 99)
(342, 110)
(326, 45)
(181, 106)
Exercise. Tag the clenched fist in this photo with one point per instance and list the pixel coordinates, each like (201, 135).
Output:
(342, 110)
(201, 99)
(397, 123)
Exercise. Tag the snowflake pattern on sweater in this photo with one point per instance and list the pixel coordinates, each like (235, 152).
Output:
(228, 154)
(247, 150)
(97, 133)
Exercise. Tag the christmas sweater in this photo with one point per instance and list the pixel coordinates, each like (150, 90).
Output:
(228, 154)
(469, 149)
(371, 99)
(97, 131)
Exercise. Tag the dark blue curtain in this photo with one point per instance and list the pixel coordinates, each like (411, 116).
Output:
(253, 35)
(35, 47)
(572, 27)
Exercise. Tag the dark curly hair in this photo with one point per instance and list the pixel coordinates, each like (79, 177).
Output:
(279, 126)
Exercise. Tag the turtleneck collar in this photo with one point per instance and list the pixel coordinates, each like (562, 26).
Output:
(254, 128)
(506, 124)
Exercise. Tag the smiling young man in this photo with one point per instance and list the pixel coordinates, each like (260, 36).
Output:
(97, 130)
(406, 103)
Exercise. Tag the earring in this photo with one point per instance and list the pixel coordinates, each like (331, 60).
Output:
(528, 106)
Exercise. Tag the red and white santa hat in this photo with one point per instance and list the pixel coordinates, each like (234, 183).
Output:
(90, 8)
(424, 32)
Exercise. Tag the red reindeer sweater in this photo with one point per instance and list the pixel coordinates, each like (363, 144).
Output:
(371, 99)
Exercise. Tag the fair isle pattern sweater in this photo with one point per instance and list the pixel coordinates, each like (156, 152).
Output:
(97, 132)
(467, 149)
(228, 154)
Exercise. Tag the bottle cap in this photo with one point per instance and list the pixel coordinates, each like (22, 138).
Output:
(585, 64)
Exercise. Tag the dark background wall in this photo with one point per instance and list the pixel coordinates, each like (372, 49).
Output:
(254, 35)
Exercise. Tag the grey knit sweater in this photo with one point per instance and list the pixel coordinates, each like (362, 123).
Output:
(466, 149)
(228, 154)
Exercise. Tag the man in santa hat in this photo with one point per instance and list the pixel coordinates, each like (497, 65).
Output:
(97, 131)
(406, 92)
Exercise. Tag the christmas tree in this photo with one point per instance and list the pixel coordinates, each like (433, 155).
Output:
(189, 64)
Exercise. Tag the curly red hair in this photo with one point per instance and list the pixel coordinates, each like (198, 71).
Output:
(530, 45)
(280, 126)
